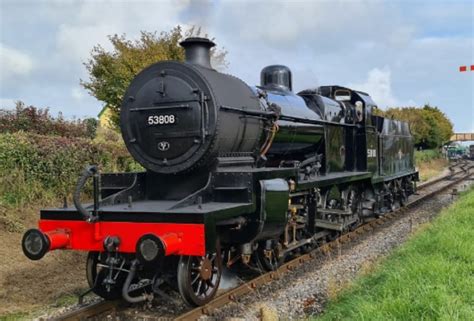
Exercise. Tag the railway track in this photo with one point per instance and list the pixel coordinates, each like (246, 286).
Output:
(463, 167)
(93, 310)
(429, 189)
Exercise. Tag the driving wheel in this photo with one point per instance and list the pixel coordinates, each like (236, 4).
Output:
(199, 277)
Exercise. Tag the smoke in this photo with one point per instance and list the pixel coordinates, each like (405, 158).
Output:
(199, 14)
(229, 279)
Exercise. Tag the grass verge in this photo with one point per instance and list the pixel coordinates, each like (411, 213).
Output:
(430, 163)
(431, 277)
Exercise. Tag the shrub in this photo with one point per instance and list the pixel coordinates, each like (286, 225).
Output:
(422, 156)
(40, 121)
(37, 167)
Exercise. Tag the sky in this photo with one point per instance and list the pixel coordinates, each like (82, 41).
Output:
(403, 53)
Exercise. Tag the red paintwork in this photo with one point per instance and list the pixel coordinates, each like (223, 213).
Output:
(172, 243)
(58, 239)
(179, 239)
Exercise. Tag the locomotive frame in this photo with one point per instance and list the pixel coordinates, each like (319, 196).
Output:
(250, 175)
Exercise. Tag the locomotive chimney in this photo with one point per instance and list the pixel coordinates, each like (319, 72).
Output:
(198, 51)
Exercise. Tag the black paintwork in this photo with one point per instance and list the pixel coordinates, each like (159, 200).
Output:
(197, 51)
(201, 130)
(276, 77)
(207, 166)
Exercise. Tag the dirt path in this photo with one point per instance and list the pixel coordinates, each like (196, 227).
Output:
(27, 285)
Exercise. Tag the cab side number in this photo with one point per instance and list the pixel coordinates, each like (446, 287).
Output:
(371, 153)
(161, 119)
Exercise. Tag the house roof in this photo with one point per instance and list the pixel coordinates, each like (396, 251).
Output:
(102, 111)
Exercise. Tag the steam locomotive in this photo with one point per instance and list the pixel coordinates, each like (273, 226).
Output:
(235, 175)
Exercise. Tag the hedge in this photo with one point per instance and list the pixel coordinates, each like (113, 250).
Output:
(37, 167)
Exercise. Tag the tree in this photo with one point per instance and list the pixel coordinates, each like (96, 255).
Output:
(110, 72)
(430, 127)
(445, 127)
(418, 125)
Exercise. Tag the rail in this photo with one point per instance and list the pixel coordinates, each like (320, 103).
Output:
(91, 311)
(111, 307)
(235, 293)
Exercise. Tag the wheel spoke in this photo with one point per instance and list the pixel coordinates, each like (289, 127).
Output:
(198, 277)
(195, 279)
(205, 287)
(209, 282)
(198, 291)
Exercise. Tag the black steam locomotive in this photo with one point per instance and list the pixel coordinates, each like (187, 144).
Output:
(235, 175)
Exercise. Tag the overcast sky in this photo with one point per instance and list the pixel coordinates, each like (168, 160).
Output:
(401, 52)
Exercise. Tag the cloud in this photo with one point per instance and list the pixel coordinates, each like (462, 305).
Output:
(396, 51)
(379, 86)
(76, 41)
(77, 93)
(7, 103)
(13, 63)
(94, 21)
(319, 25)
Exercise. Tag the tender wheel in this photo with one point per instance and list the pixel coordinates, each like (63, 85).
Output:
(199, 277)
(97, 274)
(269, 259)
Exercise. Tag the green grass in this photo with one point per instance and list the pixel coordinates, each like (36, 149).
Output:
(426, 155)
(431, 277)
(430, 163)
(15, 317)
